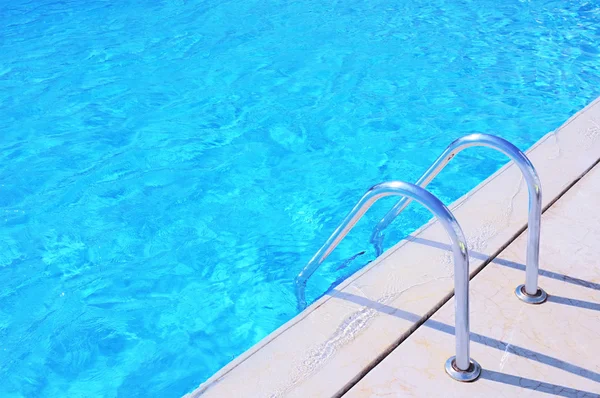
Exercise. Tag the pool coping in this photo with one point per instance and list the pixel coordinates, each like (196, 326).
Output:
(511, 340)
(561, 157)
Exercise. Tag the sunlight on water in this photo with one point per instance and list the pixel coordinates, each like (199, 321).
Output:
(168, 167)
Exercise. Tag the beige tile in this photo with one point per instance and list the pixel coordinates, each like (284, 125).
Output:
(330, 344)
(525, 350)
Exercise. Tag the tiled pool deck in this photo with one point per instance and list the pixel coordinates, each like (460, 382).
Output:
(523, 349)
(367, 338)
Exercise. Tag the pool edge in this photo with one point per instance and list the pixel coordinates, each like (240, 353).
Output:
(574, 138)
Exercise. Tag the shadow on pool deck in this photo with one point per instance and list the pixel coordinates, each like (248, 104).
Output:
(534, 385)
(480, 339)
(510, 264)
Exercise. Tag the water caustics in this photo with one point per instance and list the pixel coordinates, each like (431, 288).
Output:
(168, 166)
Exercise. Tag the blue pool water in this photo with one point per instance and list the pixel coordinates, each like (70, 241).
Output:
(167, 167)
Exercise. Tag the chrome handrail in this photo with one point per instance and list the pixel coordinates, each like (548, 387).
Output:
(462, 367)
(530, 292)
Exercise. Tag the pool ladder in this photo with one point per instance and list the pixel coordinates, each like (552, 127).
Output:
(460, 367)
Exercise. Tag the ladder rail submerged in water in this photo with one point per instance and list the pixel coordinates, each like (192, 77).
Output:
(462, 367)
(530, 292)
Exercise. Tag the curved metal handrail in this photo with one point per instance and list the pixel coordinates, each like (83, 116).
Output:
(466, 368)
(530, 293)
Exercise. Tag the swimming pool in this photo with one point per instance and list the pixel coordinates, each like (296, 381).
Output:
(168, 167)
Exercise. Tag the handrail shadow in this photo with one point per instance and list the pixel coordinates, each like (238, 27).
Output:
(574, 302)
(475, 337)
(535, 385)
(510, 264)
